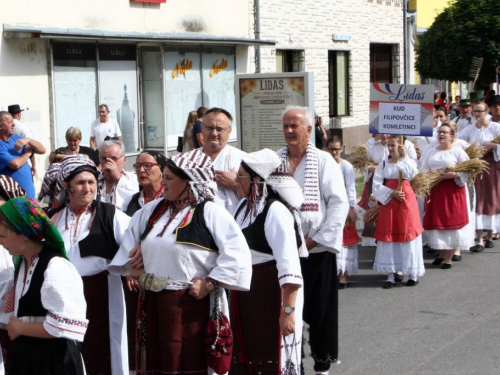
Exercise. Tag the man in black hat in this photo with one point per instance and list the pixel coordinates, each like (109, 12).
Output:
(465, 118)
(22, 130)
(494, 103)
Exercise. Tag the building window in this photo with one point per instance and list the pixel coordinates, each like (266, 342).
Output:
(338, 78)
(290, 61)
(381, 63)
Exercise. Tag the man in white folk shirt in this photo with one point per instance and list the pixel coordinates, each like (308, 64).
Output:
(115, 183)
(323, 216)
(216, 129)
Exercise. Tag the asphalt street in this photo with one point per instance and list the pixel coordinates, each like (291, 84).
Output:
(447, 324)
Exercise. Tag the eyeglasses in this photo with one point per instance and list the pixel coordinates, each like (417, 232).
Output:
(239, 176)
(146, 166)
(218, 129)
(443, 132)
(478, 111)
(332, 149)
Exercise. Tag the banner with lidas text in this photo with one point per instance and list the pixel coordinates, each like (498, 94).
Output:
(401, 109)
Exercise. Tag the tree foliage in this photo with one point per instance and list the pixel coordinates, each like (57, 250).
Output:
(465, 29)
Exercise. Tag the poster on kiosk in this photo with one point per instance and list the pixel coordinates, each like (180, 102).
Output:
(401, 109)
(260, 100)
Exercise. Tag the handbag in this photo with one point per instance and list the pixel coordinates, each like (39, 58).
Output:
(180, 144)
(218, 338)
(289, 367)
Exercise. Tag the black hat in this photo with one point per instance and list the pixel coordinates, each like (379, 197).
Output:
(494, 100)
(14, 108)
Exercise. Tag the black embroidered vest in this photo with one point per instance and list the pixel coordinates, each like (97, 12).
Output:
(100, 241)
(195, 232)
(31, 303)
(255, 233)
(134, 205)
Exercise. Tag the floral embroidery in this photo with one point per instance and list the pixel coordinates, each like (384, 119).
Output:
(290, 275)
(72, 322)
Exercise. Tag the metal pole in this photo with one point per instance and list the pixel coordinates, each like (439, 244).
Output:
(405, 37)
(257, 34)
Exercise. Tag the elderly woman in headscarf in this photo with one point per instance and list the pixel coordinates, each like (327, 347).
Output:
(92, 232)
(8, 189)
(47, 300)
(148, 167)
(267, 320)
(190, 246)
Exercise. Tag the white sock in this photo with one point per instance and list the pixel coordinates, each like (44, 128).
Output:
(390, 277)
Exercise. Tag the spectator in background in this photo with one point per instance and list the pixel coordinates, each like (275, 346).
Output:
(22, 130)
(319, 132)
(73, 139)
(197, 134)
(14, 154)
(442, 100)
(103, 127)
(115, 183)
(187, 139)
(59, 154)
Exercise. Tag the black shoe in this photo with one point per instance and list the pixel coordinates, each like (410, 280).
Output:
(446, 266)
(342, 285)
(388, 285)
(456, 258)
(432, 251)
(411, 282)
(477, 248)
(437, 261)
(489, 244)
(398, 277)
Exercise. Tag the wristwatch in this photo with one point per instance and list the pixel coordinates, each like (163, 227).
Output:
(210, 284)
(288, 309)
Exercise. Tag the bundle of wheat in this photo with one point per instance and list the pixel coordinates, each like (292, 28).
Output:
(420, 184)
(496, 141)
(474, 151)
(358, 158)
(371, 215)
(473, 167)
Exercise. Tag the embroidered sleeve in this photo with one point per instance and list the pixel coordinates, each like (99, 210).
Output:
(62, 296)
(234, 262)
(382, 193)
(408, 167)
(280, 235)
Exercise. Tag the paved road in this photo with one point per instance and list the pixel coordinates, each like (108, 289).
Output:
(448, 324)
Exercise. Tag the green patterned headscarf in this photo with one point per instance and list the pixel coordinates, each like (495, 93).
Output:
(28, 218)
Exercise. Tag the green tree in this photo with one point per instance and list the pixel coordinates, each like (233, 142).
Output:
(465, 29)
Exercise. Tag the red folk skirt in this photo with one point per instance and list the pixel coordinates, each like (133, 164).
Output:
(170, 337)
(351, 236)
(446, 207)
(488, 189)
(399, 221)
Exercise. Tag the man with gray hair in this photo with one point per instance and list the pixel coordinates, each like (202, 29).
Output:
(323, 216)
(115, 183)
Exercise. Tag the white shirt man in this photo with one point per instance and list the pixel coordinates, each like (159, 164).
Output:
(116, 184)
(216, 129)
(323, 216)
(103, 127)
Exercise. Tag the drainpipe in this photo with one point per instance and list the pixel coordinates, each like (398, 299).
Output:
(405, 42)
(256, 12)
